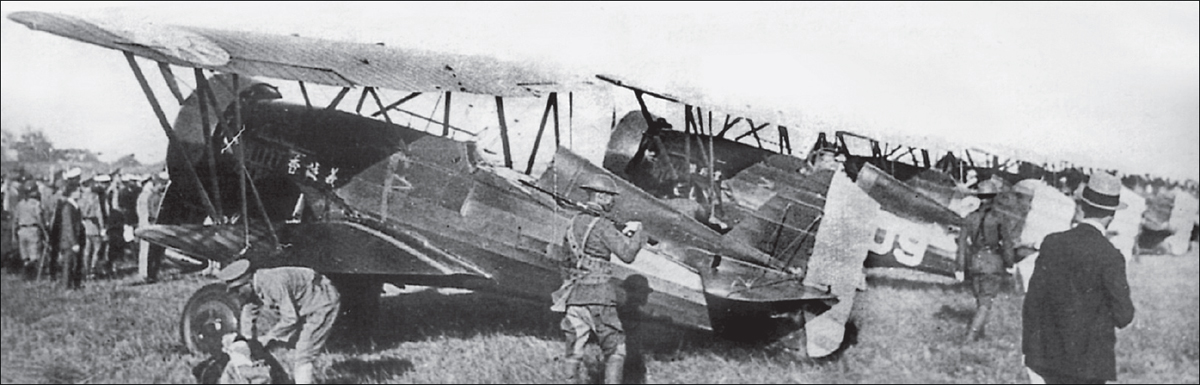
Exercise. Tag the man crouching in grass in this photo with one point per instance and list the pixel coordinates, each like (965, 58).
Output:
(308, 305)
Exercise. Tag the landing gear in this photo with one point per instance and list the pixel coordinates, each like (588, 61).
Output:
(211, 313)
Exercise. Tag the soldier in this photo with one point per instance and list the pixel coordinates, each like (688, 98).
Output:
(588, 294)
(985, 250)
(51, 196)
(1078, 294)
(69, 235)
(94, 207)
(148, 202)
(307, 302)
(29, 229)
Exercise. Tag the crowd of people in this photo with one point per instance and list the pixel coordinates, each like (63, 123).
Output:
(76, 228)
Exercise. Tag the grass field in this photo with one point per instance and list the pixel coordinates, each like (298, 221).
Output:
(908, 332)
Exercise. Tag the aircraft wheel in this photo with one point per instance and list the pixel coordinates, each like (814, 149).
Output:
(209, 314)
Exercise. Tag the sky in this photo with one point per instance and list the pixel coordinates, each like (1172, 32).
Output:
(1109, 85)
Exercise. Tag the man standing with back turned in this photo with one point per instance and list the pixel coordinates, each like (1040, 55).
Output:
(1078, 294)
(590, 296)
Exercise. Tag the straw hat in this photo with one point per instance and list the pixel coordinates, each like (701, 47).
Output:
(1102, 191)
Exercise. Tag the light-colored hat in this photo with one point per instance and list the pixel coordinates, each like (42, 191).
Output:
(235, 270)
(1102, 191)
(102, 178)
(74, 172)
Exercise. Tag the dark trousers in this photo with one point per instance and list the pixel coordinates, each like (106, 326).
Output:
(71, 268)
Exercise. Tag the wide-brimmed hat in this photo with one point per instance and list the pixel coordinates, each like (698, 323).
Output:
(1102, 191)
(234, 271)
(74, 172)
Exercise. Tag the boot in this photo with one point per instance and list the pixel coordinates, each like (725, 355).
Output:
(975, 333)
(614, 369)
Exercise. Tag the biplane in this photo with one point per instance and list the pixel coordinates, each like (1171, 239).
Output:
(761, 193)
(919, 200)
(368, 200)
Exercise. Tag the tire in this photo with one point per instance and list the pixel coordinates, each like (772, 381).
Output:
(209, 314)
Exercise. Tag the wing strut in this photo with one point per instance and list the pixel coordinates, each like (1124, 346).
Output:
(712, 168)
(557, 132)
(162, 120)
(785, 142)
(504, 132)
(728, 124)
(753, 131)
(261, 208)
(204, 89)
(551, 104)
(379, 103)
(433, 121)
(169, 78)
(446, 118)
(304, 91)
(571, 119)
(241, 157)
(362, 98)
(687, 132)
(695, 122)
(396, 104)
(338, 99)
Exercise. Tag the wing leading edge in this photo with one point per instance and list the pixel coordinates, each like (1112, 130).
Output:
(334, 63)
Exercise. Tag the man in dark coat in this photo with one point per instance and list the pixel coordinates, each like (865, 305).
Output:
(1078, 294)
(69, 234)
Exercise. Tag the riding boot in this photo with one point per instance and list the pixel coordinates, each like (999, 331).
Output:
(614, 369)
(975, 333)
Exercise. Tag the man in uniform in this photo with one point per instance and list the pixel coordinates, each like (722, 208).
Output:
(94, 207)
(69, 235)
(1078, 294)
(148, 202)
(985, 250)
(589, 295)
(29, 229)
(307, 302)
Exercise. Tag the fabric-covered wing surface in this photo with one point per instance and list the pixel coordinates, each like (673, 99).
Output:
(305, 59)
(336, 247)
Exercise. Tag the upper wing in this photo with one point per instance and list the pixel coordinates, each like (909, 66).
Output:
(305, 59)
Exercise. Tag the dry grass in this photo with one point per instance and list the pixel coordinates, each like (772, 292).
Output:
(908, 332)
